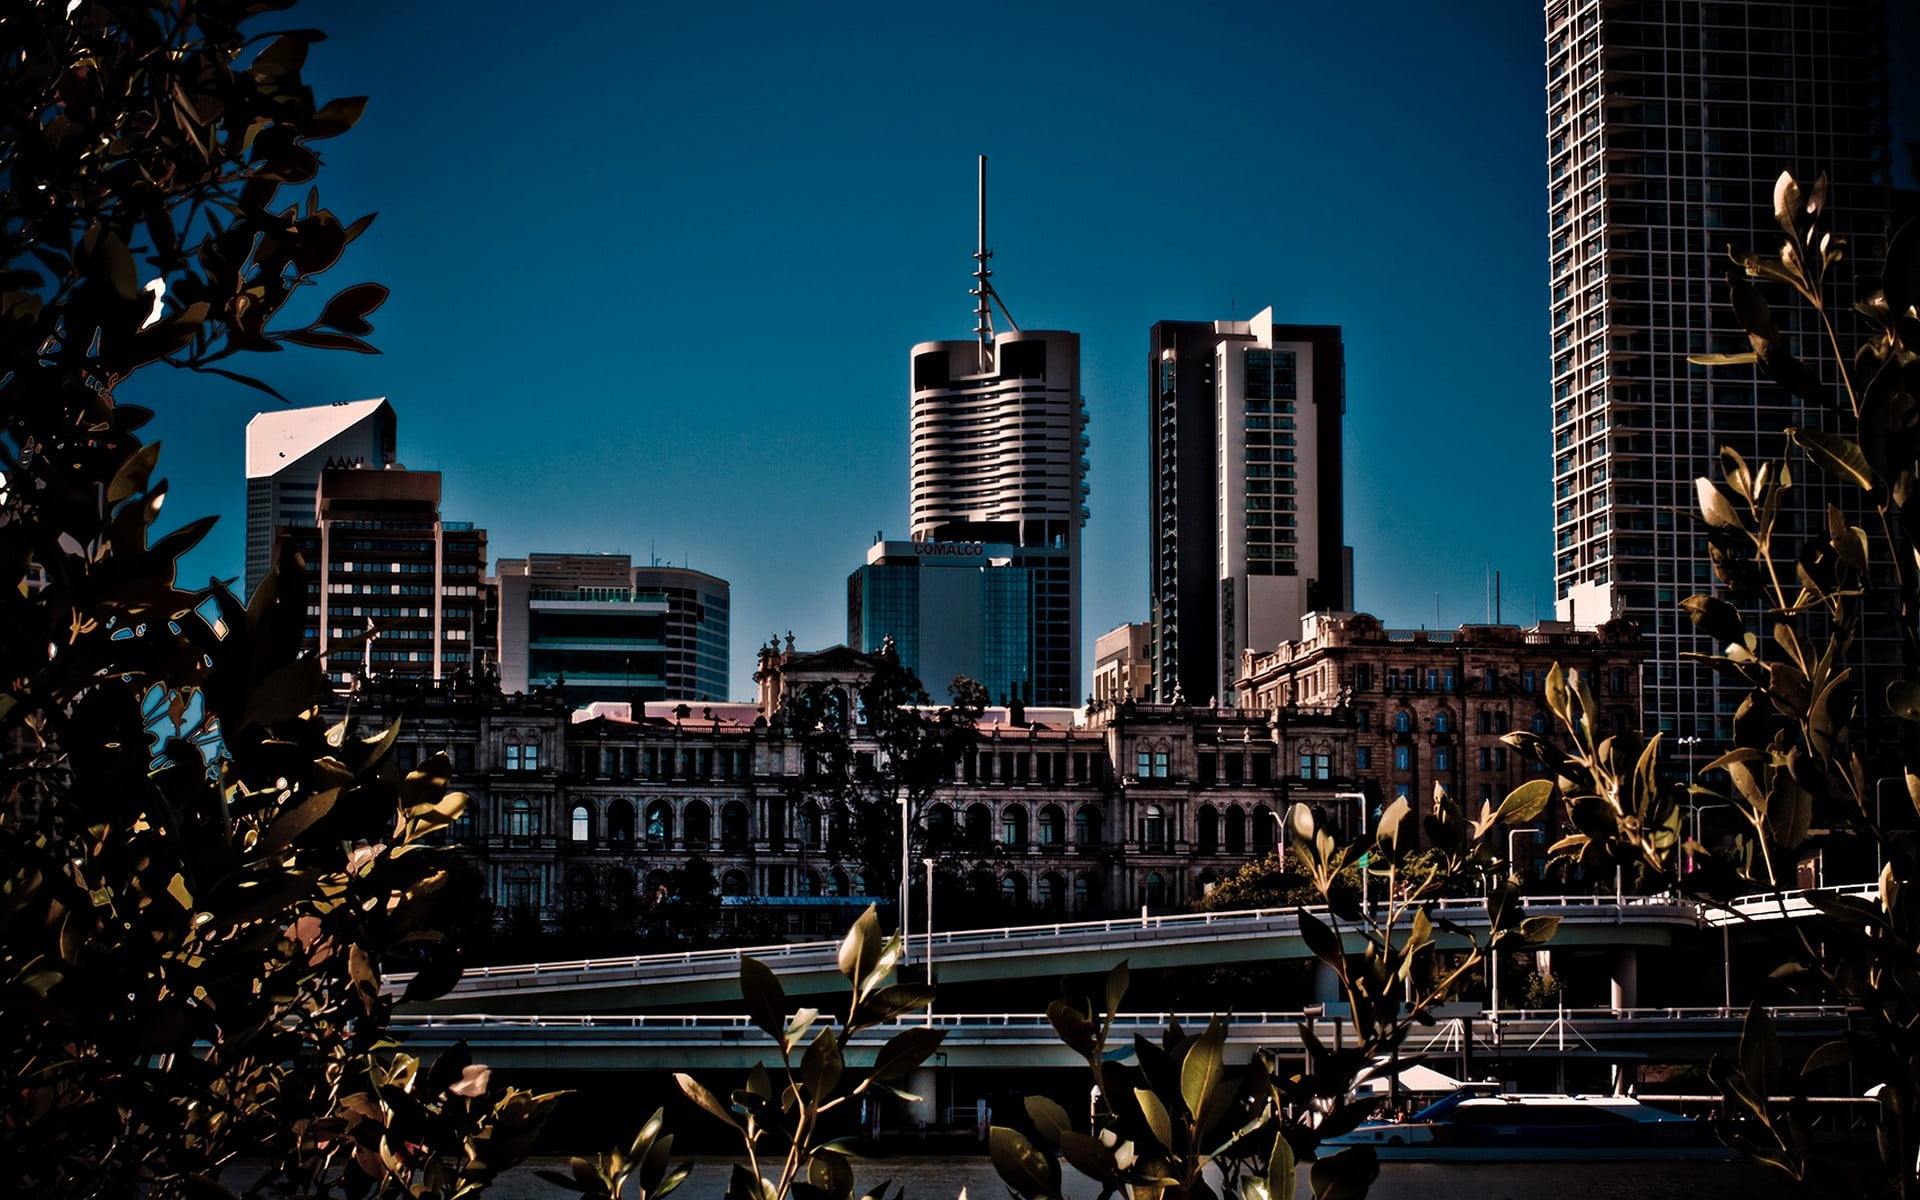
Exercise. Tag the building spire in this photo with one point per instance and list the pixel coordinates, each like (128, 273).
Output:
(982, 289)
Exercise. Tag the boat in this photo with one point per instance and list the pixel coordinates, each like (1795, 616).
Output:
(1478, 1123)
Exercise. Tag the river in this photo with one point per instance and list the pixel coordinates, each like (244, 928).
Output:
(943, 1178)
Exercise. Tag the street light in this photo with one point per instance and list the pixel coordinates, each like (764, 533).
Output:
(1360, 802)
(929, 954)
(906, 879)
(1697, 810)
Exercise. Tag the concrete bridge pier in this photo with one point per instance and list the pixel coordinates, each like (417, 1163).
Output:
(1626, 994)
(923, 1113)
(1326, 985)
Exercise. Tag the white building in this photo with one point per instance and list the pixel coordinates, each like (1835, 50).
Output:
(286, 451)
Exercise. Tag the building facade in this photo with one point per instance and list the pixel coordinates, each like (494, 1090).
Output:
(1246, 498)
(396, 590)
(1050, 812)
(606, 630)
(286, 451)
(1122, 668)
(1667, 124)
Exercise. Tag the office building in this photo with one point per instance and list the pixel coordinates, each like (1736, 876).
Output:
(1246, 519)
(287, 449)
(950, 608)
(602, 629)
(1667, 124)
(1122, 668)
(396, 590)
(998, 447)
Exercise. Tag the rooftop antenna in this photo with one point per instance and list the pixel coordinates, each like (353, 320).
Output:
(982, 292)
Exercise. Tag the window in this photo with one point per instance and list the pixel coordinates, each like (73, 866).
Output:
(1013, 826)
(659, 826)
(1153, 828)
(1053, 826)
(1402, 721)
(1156, 890)
(1208, 831)
(1363, 758)
(1086, 826)
(523, 756)
(1236, 831)
(1486, 759)
(1441, 721)
(520, 818)
(1403, 758)
(580, 825)
(1528, 680)
(698, 826)
(1443, 758)
(1323, 766)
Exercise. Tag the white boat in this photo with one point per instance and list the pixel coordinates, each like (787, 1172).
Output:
(1479, 1124)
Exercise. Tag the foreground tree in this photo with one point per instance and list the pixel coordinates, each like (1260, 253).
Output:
(190, 946)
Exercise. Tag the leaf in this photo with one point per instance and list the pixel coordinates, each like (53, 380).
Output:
(1200, 1070)
(1535, 931)
(1836, 455)
(1156, 1116)
(1091, 1157)
(1714, 508)
(1280, 1168)
(1321, 940)
(1759, 1051)
(1117, 980)
(289, 825)
(694, 1091)
(859, 948)
(348, 309)
(1559, 699)
(1345, 1176)
(1903, 699)
(766, 1001)
(1075, 1031)
(336, 117)
(1525, 803)
(1832, 1054)
(822, 1066)
(906, 1050)
(320, 339)
(1049, 1119)
(131, 479)
(1018, 1164)
(891, 1001)
(1744, 359)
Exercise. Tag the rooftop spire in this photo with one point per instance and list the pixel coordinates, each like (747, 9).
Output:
(983, 289)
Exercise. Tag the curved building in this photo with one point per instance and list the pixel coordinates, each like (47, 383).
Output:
(997, 446)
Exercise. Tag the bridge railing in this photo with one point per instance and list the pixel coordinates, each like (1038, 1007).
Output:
(1171, 924)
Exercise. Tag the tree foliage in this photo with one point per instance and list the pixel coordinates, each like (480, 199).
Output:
(202, 880)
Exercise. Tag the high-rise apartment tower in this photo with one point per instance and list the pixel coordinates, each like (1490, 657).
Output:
(1248, 535)
(998, 448)
(287, 449)
(1667, 123)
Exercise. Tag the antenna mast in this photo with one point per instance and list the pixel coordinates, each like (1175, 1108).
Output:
(982, 289)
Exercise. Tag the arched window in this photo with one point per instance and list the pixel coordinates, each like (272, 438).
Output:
(520, 818)
(579, 890)
(1053, 826)
(1087, 826)
(1539, 722)
(733, 826)
(979, 824)
(516, 890)
(659, 825)
(1013, 826)
(1156, 890)
(1013, 890)
(1153, 828)
(697, 826)
(810, 883)
(837, 884)
(1209, 830)
(659, 887)
(580, 825)
(812, 826)
(1052, 893)
(1441, 722)
(1236, 831)
(733, 883)
(861, 886)
(939, 822)
(1263, 830)
(620, 822)
(1402, 721)
(1088, 895)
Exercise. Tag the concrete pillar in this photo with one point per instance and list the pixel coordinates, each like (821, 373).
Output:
(1626, 978)
(923, 1112)
(1326, 985)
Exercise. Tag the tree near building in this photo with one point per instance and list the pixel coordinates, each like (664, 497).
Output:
(190, 946)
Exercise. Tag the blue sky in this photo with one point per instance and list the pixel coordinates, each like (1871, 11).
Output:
(656, 269)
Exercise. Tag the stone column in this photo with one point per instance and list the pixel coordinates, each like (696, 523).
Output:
(923, 1112)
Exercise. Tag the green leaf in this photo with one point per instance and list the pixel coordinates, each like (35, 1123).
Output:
(1903, 699)
(1759, 1051)
(1117, 980)
(765, 999)
(1280, 1167)
(1201, 1069)
(1049, 1119)
(1156, 1116)
(1536, 931)
(1345, 1176)
(822, 1067)
(1744, 359)
(1022, 1168)
(906, 1050)
(1837, 455)
(1559, 699)
(1525, 803)
(860, 948)
(131, 479)
(1322, 941)
(1091, 1157)
(1075, 1031)
(1714, 508)
(891, 1001)
(693, 1090)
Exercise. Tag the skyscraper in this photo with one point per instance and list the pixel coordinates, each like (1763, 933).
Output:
(951, 608)
(387, 570)
(1667, 124)
(998, 447)
(610, 630)
(1247, 524)
(286, 451)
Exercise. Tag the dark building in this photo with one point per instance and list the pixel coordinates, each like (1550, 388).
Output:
(1247, 528)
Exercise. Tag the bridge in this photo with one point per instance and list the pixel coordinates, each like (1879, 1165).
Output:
(652, 1042)
(632, 983)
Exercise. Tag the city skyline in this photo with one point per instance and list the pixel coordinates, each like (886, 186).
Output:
(569, 278)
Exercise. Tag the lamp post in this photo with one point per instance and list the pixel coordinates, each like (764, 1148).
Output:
(906, 877)
(1726, 927)
(1360, 804)
(1514, 833)
(1879, 825)
(1697, 810)
(928, 963)
(1280, 838)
